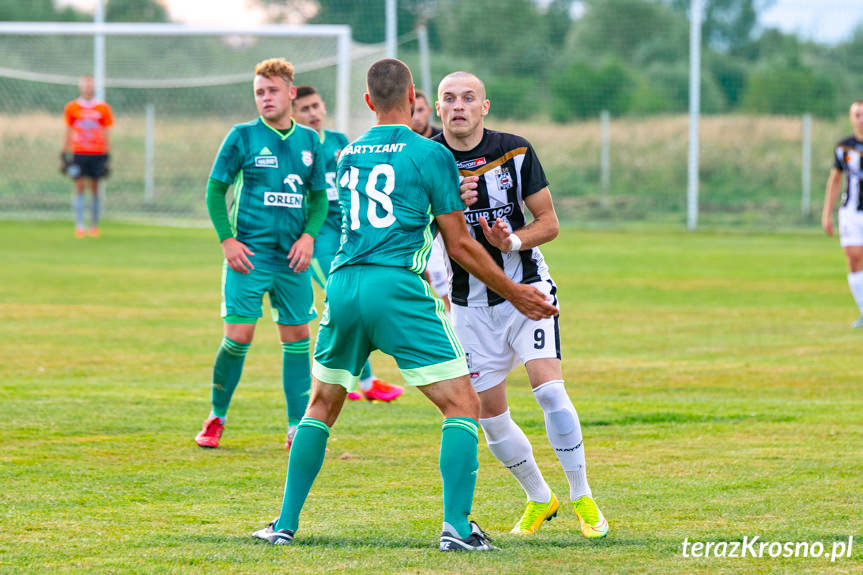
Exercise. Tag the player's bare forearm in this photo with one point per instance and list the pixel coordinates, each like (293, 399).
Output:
(472, 257)
(831, 193)
(475, 259)
(67, 141)
(834, 183)
(544, 226)
(538, 232)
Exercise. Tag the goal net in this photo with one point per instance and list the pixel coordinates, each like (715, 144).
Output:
(175, 92)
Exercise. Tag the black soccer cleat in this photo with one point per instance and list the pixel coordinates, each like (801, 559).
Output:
(270, 535)
(476, 541)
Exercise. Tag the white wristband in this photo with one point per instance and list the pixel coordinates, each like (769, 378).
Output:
(516, 243)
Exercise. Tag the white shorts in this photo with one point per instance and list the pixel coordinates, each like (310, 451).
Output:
(498, 338)
(850, 227)
(438, 268)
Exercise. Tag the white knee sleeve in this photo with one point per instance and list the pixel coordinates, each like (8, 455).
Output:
(506, 440)
(564, 434)
(508, 443)
(561, 423)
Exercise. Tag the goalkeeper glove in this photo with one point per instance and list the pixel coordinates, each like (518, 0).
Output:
(66, 159)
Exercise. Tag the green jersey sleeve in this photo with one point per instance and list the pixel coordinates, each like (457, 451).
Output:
(229, 160)
(442, 183)
(341, 139)
(318, 179)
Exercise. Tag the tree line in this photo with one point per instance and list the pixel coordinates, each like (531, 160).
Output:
(630, 57)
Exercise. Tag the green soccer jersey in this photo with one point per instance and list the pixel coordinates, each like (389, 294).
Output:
(327, 242)
(272, 175)
(392, 182)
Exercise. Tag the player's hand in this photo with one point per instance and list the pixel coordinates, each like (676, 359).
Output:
(827, 224)
(301, 253)
(236, 254)
(468, 191)
(66, 159)
(532, 302)
(497, 235)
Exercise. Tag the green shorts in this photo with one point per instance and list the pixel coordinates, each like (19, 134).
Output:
(291, 297)
(390, 309)
(326, 246)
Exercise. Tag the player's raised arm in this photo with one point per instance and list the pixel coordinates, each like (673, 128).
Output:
(472, 256)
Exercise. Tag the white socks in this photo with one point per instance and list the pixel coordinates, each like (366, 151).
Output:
(855, 282)
(510, 446)
(564, 434)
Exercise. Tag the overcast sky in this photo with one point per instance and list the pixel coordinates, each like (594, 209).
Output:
(820, 20)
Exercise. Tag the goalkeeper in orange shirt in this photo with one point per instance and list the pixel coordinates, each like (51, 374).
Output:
(86, 148)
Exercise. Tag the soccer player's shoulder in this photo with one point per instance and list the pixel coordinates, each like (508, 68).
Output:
(434, 147)
(332, 135)
(245, 126)
(506, 140)
(306, 133)
(849, 142)
(436, 150)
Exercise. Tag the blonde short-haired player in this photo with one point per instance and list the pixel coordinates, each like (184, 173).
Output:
(501, 175)
(279, 205)
(847, 158)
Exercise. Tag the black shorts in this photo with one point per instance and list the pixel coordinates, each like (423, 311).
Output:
(88, 166)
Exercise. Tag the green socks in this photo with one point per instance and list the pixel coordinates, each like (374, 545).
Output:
(226, 374)
(458, 467)
(296, 378)
(307, 456)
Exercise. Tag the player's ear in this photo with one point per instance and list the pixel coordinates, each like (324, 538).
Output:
(412, 95)
(485, 106)
(292, 93)
(437, 108)
(369, 101)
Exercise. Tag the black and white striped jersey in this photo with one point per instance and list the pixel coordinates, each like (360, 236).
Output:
(509, 172)
(847, 158)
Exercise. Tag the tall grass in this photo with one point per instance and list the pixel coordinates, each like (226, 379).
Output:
(750, 167)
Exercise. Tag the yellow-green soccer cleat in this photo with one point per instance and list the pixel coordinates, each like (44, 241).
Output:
(590, 520)
(534, 514)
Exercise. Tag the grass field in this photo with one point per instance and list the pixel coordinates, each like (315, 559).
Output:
(716, 377)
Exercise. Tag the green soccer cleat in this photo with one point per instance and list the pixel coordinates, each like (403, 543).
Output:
(534, 514)
(590, 520)
(858, 323)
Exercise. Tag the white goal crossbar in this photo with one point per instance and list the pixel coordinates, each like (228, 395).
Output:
(99, 29)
